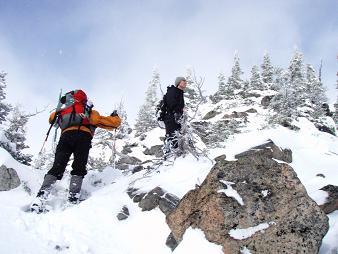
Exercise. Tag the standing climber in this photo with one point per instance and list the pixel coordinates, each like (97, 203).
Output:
(78, 122)
(174, 101)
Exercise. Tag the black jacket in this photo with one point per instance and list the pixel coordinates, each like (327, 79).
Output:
(174, 100)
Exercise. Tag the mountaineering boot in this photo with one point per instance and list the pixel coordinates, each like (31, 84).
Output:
(38, 203)
(75, 188)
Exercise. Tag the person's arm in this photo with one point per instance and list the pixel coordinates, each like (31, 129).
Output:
(105, 122)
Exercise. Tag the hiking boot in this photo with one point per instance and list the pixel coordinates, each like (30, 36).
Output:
(74, 189)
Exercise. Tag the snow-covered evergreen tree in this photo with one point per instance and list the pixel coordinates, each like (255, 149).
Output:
(335, 116)
(278, 80)
(105, 141)
(146, 118)
(297, 78)
(314, 92)
(235, 81)
(224, 92)
(267, 70)
(16, 136)
(124, 129)
(256, 82)
(4, 107)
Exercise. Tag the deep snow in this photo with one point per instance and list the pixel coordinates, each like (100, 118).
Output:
(92, 226)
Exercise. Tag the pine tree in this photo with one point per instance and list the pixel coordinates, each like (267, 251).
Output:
(124, 129)
(256, 82)
(314, 92)
(335, 117)
(267, 70)
(297, 77)
(234, 81)
(16, 136)
(4, 107)
(278, 81)
(223, 91)
(146, 119)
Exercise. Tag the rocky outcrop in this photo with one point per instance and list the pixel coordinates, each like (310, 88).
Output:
(235, 114)
(331, 203)
(123, 214)
(210, 114)
(125, 161)
(9, 179)
(265, 102)
(157, 197)
(256, 202)
(154, 150)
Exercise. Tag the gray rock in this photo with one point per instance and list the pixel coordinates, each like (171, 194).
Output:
(251, 110)
(138, 197)
(129, 160)
(171, 242)
(132, 192)
(9, 179)
(235, 114)
(137, 169)
(126, 150)
(269, 192)
(149, 202)
(265, 102)
(321, 175)
(210, 115)
(168, 203)
(123, 214)
(154, 150)
(266, 152)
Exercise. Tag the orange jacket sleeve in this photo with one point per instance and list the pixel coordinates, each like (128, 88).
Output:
(105, 122)
(51, 117)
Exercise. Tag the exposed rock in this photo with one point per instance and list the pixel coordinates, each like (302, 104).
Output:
(132, 192)
(126, 150)
(321, 175)
(266, 100)
(220, 158)
(253, 191)
(138, 197)
(236, 114)
(129, 160)
(331, 203)
(171, 242)
(151, 200)
(168, 203)
(251, 110)
(9, 179)
(123, 214)
(265, 152)
(122, 166)
(154, 150)
(210, 115)
(137, 169)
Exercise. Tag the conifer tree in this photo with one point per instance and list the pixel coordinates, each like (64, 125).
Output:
(146, 119)
(16, 136)
(267, 70)
(256, 82)
(314, 92)
(335, 117)
(235, 81)
(4, 107)
(297, 78)
(124, 129)
(223, 91)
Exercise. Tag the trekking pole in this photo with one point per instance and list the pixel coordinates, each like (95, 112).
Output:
(53, 121)
(114, 149)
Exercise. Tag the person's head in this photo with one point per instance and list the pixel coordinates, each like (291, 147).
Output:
(181, 83)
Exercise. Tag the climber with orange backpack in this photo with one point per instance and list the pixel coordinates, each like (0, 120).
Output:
(77, 121)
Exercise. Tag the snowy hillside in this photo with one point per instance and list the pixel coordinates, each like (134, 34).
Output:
(92, 226)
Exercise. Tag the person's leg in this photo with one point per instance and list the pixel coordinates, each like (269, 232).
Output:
(81, 152)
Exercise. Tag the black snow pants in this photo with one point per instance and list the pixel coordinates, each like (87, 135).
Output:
(171, 126)
(75, 142)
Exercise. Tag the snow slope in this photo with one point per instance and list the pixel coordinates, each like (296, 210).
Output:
(92, 226)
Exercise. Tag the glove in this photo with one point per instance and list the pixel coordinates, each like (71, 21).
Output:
(114, 113)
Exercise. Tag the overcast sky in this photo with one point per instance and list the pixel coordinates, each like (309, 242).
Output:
(109, 48)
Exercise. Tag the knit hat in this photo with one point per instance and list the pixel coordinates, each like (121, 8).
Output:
(178, 80)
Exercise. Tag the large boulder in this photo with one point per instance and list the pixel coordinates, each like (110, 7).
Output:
(154, 150)
(255, 203)
(9, 179)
